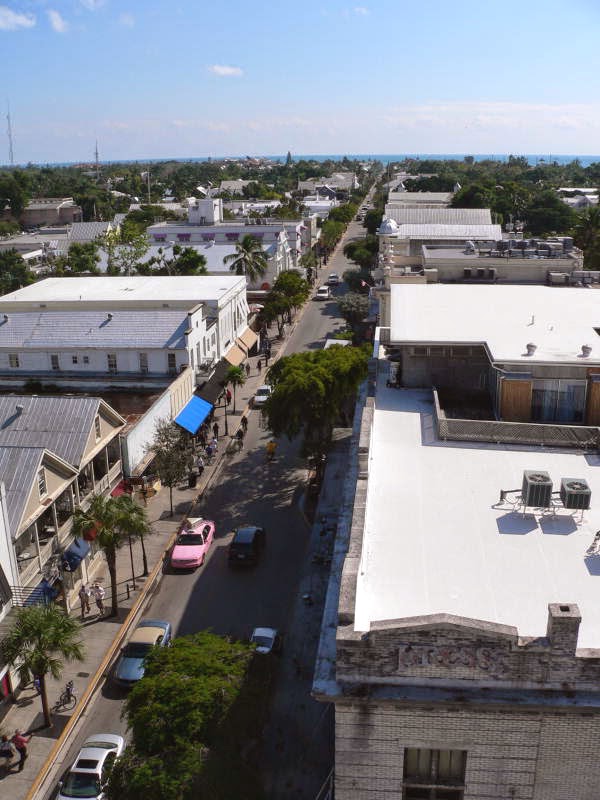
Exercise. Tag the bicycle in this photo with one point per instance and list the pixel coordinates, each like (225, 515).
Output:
(67, 699)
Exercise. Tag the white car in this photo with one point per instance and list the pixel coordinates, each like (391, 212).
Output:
(267, 640)
(333, 279)
(323, 293)
(89, 772)
(262, 395)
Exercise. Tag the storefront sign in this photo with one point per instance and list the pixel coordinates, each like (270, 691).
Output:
(489, 659)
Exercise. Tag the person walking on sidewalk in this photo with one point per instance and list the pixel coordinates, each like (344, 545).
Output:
(84, 599)
(259, 366)
(244, 424)
(199, 465)
(215, 429)
(271, 448)
(99, 595)
(8, 752)
(239, 437)
(247, 369)
(228, 396)
(20, 741)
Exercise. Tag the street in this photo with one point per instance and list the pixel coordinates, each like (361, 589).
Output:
(298, 740)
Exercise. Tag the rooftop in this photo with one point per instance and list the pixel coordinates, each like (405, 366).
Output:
(459, 232)
(558, 321)
(437, 541)
(438, 216)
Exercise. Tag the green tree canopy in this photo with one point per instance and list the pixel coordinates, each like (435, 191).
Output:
(14, 272)
(40, 640)
(587, 236)
(353, 308)
(172, 455)
(236, 376)
(363, 251)
(83, 257)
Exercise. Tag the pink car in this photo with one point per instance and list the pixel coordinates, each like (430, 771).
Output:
(193, 543)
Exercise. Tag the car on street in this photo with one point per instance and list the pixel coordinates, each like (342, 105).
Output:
(267, 640)
(246, 546)
(193, 543)
(323, 293)
(261, 396)
(89, 772)
(131, 664)
(333, 279)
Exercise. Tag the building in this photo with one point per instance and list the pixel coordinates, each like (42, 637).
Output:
(404, 199)
(336, 182)
(51, 211)
(94, 331)
(460, 643)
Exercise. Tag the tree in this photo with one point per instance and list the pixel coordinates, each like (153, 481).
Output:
(288, 159)
(373, 220)
(40, 640)
(310, 393)
(125, 249)
(353, 308)
(358, 281)
(363, 251)
(171, 455)
(83, 256)
(14, 272)
(111, 522)
(236, 376)
(249, 259)
(331, 232)
(188, 261)
(587, 237)
(293, 286)
(13, 194)
(546, 213)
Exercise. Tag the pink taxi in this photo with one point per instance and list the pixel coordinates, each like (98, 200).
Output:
(193, 543)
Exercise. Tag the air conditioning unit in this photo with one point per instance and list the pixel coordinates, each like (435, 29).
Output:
(536, 491)
(575, 493)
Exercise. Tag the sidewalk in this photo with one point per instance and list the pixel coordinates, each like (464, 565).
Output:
(98, 634)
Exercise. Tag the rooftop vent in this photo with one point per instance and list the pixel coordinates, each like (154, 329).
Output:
(575, 493)
(109, 315)
(5, 317)
(531, 348)
(19, 409)
(586, 349)
(536, 491)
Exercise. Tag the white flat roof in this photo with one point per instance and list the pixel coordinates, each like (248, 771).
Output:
(137, 288)
(506, 318)
(434, 541)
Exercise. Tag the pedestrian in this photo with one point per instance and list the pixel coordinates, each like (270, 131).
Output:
(247, 369)
(99, 595)
(259, 366)
(271, 448)
(84, 599)
(244, 424)
(199, 465)
(37, 684)
(216, 430)
(144, 493)
(20, 741)
(228, 395)
(239, 435)
(8, 752)
(202, 436)
(210, 451)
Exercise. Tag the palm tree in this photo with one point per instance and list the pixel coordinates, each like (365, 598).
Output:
(236, 376)
(587, 236)
(41, 639)
(249, 259)
(113, 521)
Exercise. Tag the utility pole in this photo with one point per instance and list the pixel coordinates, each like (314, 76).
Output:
(11, 155)
(149, 197)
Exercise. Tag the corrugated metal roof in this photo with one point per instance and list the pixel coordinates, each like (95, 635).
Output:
(59, 424)
(439, 216)
(466, 232)
(93, 328)
(87, 231)
(18, 469)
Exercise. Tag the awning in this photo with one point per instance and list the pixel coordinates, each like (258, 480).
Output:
(213, 388)
(193, 414)
(248, 339)
(235, 355)
(74, 554)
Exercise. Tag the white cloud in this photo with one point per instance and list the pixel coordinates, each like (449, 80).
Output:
(11, 20)
(225, 71)
(92, 5)
(361, 11)
(126, 19)
(59, 25)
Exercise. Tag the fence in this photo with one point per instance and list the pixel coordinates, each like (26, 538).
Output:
(581, 437)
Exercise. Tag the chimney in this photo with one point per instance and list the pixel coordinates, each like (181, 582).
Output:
(563, 626)
(19, 409)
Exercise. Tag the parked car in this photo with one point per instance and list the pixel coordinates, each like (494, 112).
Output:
(90, 770)
(267, 640)
(247, 545)
(193, 543)
(262, 395)
(131, 664)
(323, 293)
(333, 279)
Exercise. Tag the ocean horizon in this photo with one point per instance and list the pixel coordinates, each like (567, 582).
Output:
(532, 158)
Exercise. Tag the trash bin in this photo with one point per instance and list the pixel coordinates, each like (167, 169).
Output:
(192, 480)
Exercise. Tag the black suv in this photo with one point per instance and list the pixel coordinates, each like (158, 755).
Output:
(247, 544)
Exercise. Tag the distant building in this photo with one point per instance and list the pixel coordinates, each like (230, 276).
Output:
(51, 211)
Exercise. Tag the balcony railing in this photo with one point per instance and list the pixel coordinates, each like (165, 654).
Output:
(581, 437)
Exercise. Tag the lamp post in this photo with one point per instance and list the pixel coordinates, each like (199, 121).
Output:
(225, 408)
(131, 558)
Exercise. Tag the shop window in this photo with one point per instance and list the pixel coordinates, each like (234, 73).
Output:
(434, 774)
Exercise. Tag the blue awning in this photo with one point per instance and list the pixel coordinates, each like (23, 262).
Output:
(74, 554)
(193, 414)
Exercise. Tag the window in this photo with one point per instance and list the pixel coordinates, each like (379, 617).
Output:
(172, 362)
(54, 362)
(143, 362)
(86, 359)
(75, 359)
(98, 427)
(13, 360)
(434, 774)
(112, 362)
(41, 479)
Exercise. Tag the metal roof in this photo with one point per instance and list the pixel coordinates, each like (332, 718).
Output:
(61, 425)
(438, 216)
(83, 328)
(485, 233)
(18, 469)
(88, 231)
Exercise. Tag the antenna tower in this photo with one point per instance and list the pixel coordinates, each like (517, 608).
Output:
(11, 155)
(97, 162)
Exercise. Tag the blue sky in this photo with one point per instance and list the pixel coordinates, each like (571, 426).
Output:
(153, 79)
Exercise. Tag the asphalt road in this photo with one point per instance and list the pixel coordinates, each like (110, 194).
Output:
(249, 489)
